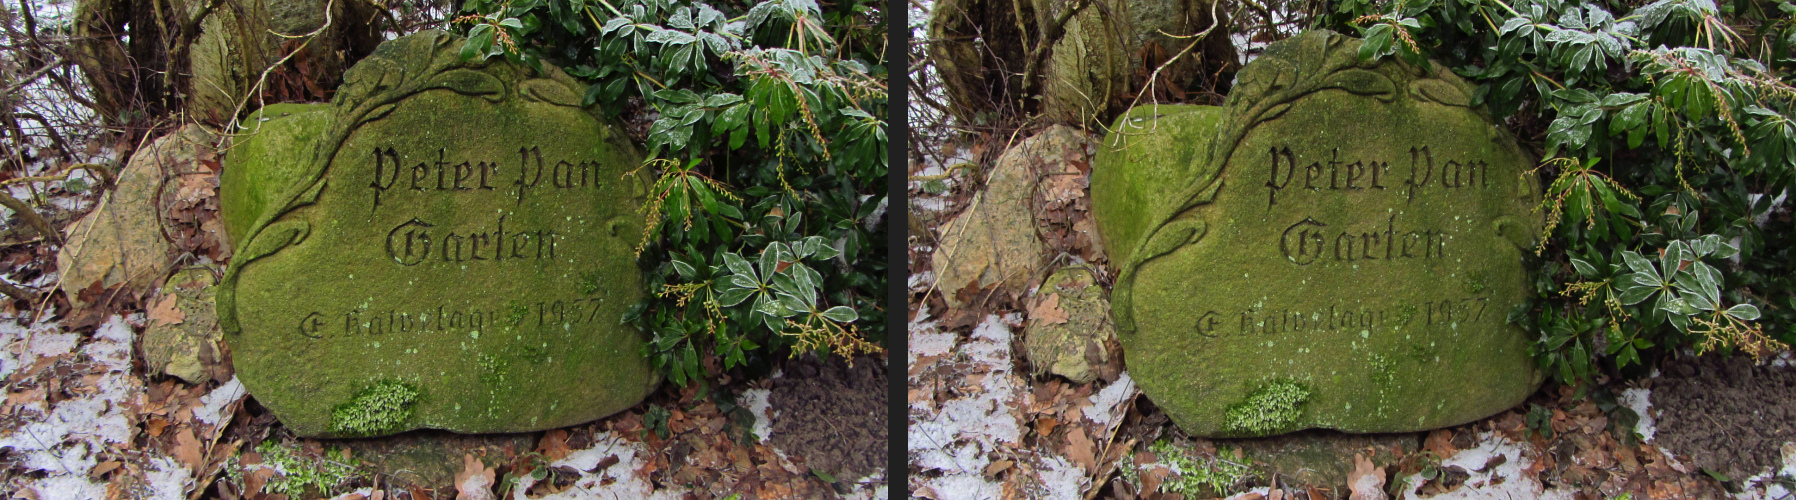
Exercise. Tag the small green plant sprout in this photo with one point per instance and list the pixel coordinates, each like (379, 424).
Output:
(1220, 473)
(1540, 420)
(1271, 409)
(1583, 194)
(376, 409)
(1428, 464)
(655, 419)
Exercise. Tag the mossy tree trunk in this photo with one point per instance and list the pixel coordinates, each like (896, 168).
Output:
(137, 54)
(1077, 61)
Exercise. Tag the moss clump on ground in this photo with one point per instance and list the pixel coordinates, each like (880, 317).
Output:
(376, 409)
(1217, 473)
(295, 474)
(1271, 409)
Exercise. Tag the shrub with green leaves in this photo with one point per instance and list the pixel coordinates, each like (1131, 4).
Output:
(765, 131)
(1668, 150)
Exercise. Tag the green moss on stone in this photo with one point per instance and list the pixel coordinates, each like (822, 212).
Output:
(265, 162)
(1272, 409)
(492, 369)
(589, 282)
(1405, 312)
(377, 409)
(1474, 284)
(334, 261)
(1383, 369)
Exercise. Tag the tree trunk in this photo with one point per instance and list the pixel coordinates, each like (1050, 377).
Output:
(1029, 57)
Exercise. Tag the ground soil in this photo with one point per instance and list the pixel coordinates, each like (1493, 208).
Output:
(832, 415)
(1727, 415)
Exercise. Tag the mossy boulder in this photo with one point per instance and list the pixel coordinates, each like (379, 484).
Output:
(182, 339)
(1341, 246)
(1071, 343)
(447, 245)
(122, 243)
(993, 244)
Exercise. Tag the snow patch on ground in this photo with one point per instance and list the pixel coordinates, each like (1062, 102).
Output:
(1060, 479)
(1772, 485)
(1514, 482)
(168, 479)
(756, 400)
(631, 455)
(872, 487)
(957, 438)
(1638, 399)
(212, 405)
(61, 441)
(24, 346)
(1107, 405)
(918, 281)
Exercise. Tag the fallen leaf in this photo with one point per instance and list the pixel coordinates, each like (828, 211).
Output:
(104, 467)
(194, 188)
(997, 467)
(1366, 481)
(1045, 425)
(1081, 450)
(554, 445)
(1440, 442)
(475, 481)
(1153, 478)
(166, 313)
(13, 400)
(187, 449)
(1048, 311)
(1061, 188)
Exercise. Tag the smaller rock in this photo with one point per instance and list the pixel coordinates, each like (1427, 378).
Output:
(994, 242)
(1322, 457)
(1069, 324)
(183, 336)
(431, 459)
(121, 240)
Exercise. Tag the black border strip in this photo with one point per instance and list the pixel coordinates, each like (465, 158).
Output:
(898, 252)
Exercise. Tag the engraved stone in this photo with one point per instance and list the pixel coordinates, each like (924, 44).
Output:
(1339, 246)
(446, 245)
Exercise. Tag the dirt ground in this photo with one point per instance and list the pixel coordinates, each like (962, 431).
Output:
(832, 414)
(1726, 414)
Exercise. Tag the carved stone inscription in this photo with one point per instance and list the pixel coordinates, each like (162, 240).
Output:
(1307, 240)
(1355, 234)
(417, 241)
(463, 230)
